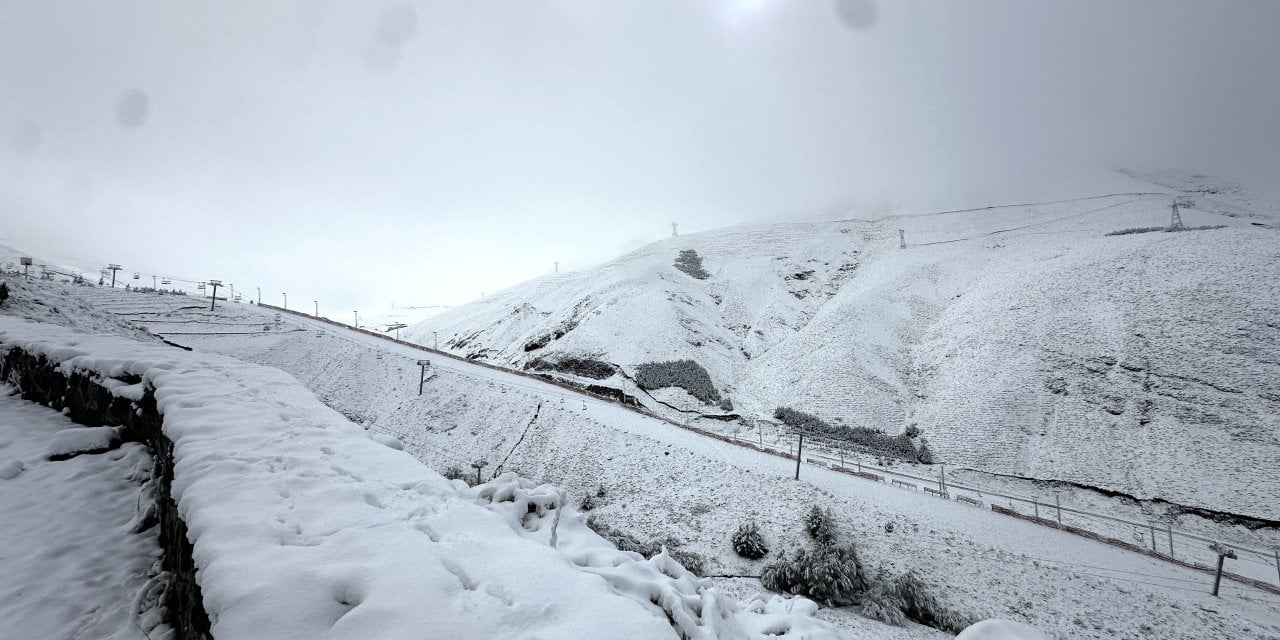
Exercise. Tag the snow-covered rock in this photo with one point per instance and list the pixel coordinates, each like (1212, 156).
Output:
(77, 440)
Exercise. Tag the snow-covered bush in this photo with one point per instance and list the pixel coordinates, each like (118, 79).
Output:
(627, 542)
(881, 602)
(925, 453)
(726, 404)
(454, 472)
(878, 442)
(830, 573)
(686, 374)
(920, 605)
(4, 291)
(585, 367)
(691, 263)
(748, 542)
(820, 525)
(587, 503)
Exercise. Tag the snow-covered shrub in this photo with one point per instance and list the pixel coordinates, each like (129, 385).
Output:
(726, 404)
(748, 542)
(875, 441)
(454, 472)
(820, 525)
(627, 542)
(920, 605)
(585, 367)
(881, 602)
(925, 453)
(830, 573)
(686, 374)
(4, 291)
(1132, 230)
(691, 263)
(588, 503)
(996, 629)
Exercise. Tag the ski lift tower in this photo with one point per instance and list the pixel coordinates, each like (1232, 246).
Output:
(397, 326)
(1175, 219)
(114, 268)
(214, 298)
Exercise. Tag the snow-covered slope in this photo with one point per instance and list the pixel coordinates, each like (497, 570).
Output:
(1023, 340)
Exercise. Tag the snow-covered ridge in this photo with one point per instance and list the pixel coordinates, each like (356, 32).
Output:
(305, 527)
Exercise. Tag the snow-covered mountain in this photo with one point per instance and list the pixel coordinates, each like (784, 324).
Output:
(1021, 339)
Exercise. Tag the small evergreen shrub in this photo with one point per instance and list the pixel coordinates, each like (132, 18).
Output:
(820, 525)
(691, 263)
(588, 503)
(686, 374)
(627, 542)
(4, 292)
(748, 542)
(454, 472)
(832, 574)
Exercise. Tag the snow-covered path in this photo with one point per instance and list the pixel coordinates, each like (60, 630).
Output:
(69, 565)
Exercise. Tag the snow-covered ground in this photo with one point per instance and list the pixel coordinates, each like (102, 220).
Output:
(664, 482)
(71, 565)
(305, 526)
(1023, 340)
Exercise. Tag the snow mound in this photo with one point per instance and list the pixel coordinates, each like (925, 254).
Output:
(78, 440)
(696, 608)
(997, 629)
(9, 469)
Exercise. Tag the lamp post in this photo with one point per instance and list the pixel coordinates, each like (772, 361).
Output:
(317, 307)
(286, 300)
(356, 314)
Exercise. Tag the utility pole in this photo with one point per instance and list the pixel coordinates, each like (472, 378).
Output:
(1223, 553)
(902, 239)
(214, 299)
(1057, 503)
(799, 447)
(114, 268)
(435, 337)
(153, 283)
(286, 300)
(422, 378)
(943, 484)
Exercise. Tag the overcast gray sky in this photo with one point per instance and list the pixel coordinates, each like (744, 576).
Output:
(365, 153)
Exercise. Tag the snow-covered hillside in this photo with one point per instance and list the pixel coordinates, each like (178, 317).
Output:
(1023, 340)
(664, 483)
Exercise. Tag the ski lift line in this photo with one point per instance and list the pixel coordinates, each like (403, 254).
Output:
(1028, 226)
(1008, 206)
